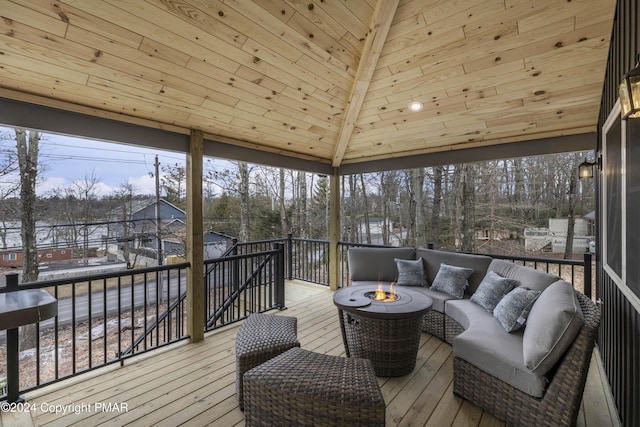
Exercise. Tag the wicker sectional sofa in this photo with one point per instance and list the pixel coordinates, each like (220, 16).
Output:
(527, 369)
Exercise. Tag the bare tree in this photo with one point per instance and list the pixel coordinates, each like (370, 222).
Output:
(303, 226)
(571, 222)
(8, 186)
(85, 190)
(437, 205)
(174, 182)
(124, 220)
(243, 189)
(27, 143)
(365, 202)
(284, 223)
(415, 186)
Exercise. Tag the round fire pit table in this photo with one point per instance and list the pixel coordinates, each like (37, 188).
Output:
(387, 333)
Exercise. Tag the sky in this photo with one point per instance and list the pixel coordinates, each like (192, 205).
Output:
(64, 160)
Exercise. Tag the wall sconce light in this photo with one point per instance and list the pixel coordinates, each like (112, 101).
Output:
(630, 93)
(586, 169)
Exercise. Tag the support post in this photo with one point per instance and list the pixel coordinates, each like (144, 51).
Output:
(13, 361)
(334, 230)
(195, 239)
(279, 273)
(290, 258)
(588, 280)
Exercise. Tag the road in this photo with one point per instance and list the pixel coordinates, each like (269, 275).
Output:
(66, 308)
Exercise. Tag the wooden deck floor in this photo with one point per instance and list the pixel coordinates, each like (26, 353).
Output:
(194, 384)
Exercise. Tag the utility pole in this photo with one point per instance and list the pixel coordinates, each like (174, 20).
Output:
(158, 227)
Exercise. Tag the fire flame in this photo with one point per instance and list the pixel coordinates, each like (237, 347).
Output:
(383, 296)
(392, 295)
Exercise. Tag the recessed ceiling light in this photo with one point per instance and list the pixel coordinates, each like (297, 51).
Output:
(416, 106)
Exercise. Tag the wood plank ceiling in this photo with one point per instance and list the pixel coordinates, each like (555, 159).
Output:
(326, 80)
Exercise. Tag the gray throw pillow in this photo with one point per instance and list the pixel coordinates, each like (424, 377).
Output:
(513, 308)
(491, 290)
(452, 280)
(411, 272)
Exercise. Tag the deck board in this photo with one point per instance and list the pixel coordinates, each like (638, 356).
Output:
(194, 384)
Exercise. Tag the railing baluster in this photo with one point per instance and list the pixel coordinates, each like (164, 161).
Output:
(73, 327)
(38, 353)
(56, 338)
(89, 324)
(119, 317)
(104, 320)
(145, 306)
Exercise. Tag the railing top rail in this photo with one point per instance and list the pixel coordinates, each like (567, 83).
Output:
(539, 259)
(552, 260)
(366, 245)
(302, 239)
(253, 242)
(93, 277)
(240, 256)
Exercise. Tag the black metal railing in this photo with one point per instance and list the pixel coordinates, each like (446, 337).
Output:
(235, 286)
(577, 272)
(580, 273)
(306, 259)
(106, 318)
(240, 284)
(98, 322)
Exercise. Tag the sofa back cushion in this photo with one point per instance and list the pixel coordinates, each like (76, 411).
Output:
(376, 264)
(410, 272)
(433, 258)
(528, 277)
(554, 321)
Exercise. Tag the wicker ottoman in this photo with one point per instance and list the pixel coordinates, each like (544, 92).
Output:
(260, 338)
(305, 388)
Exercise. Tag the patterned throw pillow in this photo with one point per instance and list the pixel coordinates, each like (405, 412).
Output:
(491, 290)
(513, 309)
(452, 280)
(411, 272)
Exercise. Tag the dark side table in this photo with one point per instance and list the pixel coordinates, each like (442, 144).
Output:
(19, 308)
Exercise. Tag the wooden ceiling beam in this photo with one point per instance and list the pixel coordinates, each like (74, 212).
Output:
(380, 24)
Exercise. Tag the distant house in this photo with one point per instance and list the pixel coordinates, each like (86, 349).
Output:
(376, 225)
(215, 244)
(136, 224)
(14, 258)
(140, 228)
(54, 242)
(554, 238)
(488, 234)
(377, 229)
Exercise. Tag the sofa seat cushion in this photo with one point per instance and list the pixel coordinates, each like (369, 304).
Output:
(486, 345)
(466, 312)
(376, 263)
(439, 298)
(528, 277)
(554, 321)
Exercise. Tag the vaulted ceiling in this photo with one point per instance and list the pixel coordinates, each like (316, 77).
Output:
(322, 80)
